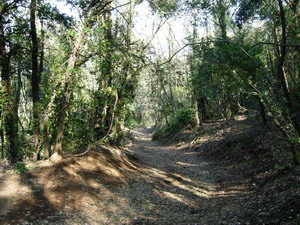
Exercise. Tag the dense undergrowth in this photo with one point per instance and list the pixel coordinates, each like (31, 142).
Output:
(183, 118)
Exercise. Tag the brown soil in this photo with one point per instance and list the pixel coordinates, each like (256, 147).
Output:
(175, 184)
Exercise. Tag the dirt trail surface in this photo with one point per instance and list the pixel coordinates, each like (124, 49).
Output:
(183, 187)
(166, 185)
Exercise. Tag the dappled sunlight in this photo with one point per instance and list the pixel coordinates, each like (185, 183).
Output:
(141, 135)
(12, 187)
(149, 112)
(180, 175)
(186, 164)
(109, 188)
(189, 186)
(175, 197)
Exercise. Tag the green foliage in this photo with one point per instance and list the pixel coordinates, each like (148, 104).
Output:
(47, 12)
(295, 93)
(182, 119)
(19, 168)
(247, 9)
(166, 7)
(118, 82)
(118, 137)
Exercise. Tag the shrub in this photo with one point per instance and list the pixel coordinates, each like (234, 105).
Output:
(183, 118)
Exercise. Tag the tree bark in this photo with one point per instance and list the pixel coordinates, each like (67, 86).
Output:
(2, 141)
(201, 110)
(35, 80)
(222, 19)
(105, 108)
(9, 117)
(44, 124)
(97, 7)
(197, 116)
(65, 100)
(280, 67)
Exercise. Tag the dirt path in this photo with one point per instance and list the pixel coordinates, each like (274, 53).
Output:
(185, 189)
(168, 185)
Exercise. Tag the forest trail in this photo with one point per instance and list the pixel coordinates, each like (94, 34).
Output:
(77, 75)
(190, 190)
(166, 185)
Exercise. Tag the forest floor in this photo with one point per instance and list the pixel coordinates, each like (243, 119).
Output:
(221, 174)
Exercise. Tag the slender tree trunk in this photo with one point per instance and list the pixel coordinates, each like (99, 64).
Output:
(44, 124)
(65, 100)
(197, 116)
(16, 102)
(2, 136)
(280, 67)
(222, 19)
(42, 51)
(107, 67)
(105, 108)
(283, 80)
(172, 98)
(69, 74)
(112, 119)
(200, 110)
(35, 80)
(262, 110)
(281, 56)
(2, 141)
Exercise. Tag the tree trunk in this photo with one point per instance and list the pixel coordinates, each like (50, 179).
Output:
(44, 124)
(17, 98)
(262, 110)
(2, 136)
(69, 74)
(222, 19)
(280, 68)
(35, 80)
(65, 100)
(2, 141)
(201, 110)
(172, 98)
(105, 108)
(197, 116)
(107, 68)
(9, 118)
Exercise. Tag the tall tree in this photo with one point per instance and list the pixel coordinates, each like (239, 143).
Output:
(104, 107)
(89, 13)
(6, 52)
(35, 78)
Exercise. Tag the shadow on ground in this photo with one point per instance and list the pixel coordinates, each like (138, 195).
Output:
(166, 185)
